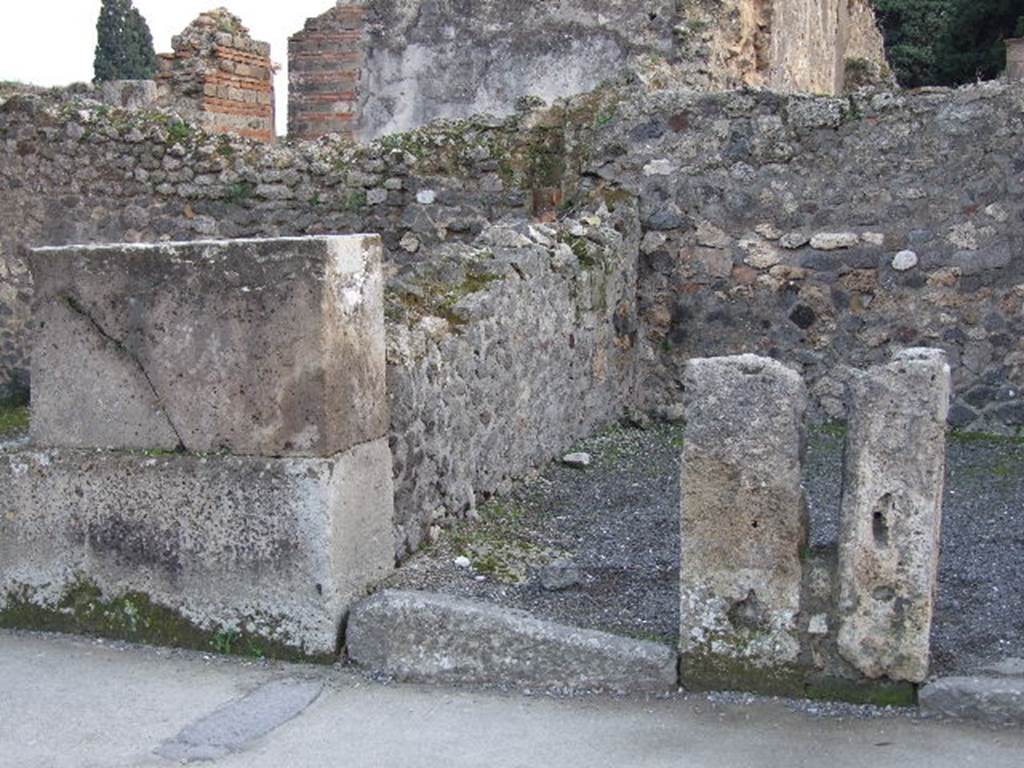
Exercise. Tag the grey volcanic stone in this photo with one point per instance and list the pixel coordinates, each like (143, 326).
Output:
(743, 515)
(425, 637)
(255, 347)
(995, 700)
(892, 514)
(279, 548)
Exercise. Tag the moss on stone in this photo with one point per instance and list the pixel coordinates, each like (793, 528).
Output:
(712, 672)
(498, 545)
(14, 420)
(134, 617)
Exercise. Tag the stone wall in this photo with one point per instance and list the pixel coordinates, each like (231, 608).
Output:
(829, 233)
(221, 77)
(506, 343)
(374, 67)
(824, 232)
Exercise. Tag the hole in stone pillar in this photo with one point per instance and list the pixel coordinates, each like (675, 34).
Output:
(884, 594)
(880, 520)
(754, 524)
(747, 613)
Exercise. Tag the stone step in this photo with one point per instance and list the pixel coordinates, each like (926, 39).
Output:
(994, 700)
(432, 638)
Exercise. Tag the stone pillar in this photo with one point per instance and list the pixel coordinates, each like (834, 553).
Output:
(325, 62)
(891, 514)
(1015, 60)
(219, 76)
(210, 452)
(743, 523)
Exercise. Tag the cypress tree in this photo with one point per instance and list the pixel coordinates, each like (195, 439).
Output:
(124, 44)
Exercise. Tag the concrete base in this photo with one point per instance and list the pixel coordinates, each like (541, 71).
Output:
(250, 555)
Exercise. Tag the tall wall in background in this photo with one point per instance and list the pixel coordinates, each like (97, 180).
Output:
(372, 67)
(325, 64)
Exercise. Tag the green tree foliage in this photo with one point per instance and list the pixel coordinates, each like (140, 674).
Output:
(972, 47)
(947, 42)
(124, 45)
(913, 29)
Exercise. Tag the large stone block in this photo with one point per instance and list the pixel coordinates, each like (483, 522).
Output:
(167, 548)
(891, 514)
(253, 347)
(743, 519)
(425, 637)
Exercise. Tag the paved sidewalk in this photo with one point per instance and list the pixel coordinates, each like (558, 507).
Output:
(74, 702)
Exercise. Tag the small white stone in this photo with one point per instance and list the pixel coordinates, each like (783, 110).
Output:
(462, 562)
(904, 260)
(834, 241)
(997, 212)
(873, 238)
(818, 625)
(794, 240)
(658, 168)
(768, 231)
(426, 197)
(577, 460)
(410, 243)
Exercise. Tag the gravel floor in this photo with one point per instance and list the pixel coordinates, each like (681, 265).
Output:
(618, 522)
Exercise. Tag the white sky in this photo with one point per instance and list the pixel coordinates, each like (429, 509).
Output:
(51, 42)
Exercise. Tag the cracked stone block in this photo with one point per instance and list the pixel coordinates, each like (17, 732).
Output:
(743, 517)
(277, 549)
(892, 514)
(250, 347)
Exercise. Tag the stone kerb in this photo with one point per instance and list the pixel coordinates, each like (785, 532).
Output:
(743, 519)
(251, 376)
(892, 513)
(253, 347)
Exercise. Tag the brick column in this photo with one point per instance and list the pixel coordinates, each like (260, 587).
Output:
(325, 63)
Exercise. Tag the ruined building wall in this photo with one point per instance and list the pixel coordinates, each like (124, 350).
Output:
(325, 64)
(829, 233)
(221, 77)
(505, 343)
(824, 232)
(372, 67)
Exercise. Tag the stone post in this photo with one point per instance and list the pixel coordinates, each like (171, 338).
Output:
(743, 524)
(1015, 60)
(891, 514)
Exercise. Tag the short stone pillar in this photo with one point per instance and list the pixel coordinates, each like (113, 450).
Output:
(1015, 60)
(743, 523)
(210, 454)
(891, 514)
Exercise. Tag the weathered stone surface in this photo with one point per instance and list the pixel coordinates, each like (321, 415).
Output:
(270, 348)
(892, 513)
(994, 700)
(1015, 60)
(743, 514)
(128, 94)
(273, 548)
(424, 637)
